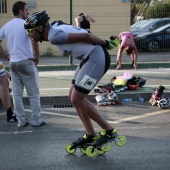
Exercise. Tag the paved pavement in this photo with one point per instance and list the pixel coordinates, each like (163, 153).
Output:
(145, 60)
(55, 75)
(54, 85)
(145, 127)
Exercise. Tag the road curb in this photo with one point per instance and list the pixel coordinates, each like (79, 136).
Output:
(63, 101)
(112, 66)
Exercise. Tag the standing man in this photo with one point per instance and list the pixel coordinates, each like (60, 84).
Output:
(83, 21)
(126, 43)
(95, 61)
(4, 94)
(22, 64)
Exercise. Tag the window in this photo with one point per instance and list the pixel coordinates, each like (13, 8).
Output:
(159, 24)
(3, 6)
(32, 4)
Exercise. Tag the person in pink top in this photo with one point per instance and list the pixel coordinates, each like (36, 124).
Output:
(127, 43)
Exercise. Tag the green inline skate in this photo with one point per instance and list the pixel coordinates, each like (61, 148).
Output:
(104, 142)
(82, 143)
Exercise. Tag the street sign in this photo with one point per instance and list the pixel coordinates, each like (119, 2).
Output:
(126, 1)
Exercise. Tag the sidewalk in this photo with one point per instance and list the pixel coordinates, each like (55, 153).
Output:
(54, 85)
(55, 74)
(145, 60)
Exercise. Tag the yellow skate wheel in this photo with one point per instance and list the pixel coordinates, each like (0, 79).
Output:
(83, 150)
(120, 141)
(91, 151)
(69, 150)
(106, 147)
(100, 151)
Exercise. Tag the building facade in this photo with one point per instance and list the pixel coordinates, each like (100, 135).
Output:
(112, 16)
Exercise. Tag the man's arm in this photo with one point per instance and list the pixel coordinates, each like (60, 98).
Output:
(2, 53)
(35, 47)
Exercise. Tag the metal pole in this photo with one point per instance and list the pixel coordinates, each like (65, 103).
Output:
(70, 56)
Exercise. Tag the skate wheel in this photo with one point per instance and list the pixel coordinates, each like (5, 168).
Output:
(120, 141)
(91, 151)
(107, 147)
(100, 151)
(83, 150)
(69, 149)
(96, 90)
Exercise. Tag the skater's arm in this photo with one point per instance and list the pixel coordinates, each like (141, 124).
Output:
(85, 38)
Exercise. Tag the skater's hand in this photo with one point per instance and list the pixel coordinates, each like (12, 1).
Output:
(112, 42)
(109, 45)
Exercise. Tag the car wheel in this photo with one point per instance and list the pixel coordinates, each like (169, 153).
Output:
(153, 46)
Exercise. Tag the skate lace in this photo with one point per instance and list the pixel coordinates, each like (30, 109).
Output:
(103, 133)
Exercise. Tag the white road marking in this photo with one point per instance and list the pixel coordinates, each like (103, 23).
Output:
(139, 116)
(16, 132)
(113, 122)
(117, 121)
(60, 114)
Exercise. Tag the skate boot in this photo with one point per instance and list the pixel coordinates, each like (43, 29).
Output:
(113, 98)
(103, 143)
(82, 143)
(11, 116)
(103, 89)
(164, 103)
(156, 95)
(158, 92)
(102, 100)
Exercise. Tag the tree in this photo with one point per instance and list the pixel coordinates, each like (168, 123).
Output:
(159, 10)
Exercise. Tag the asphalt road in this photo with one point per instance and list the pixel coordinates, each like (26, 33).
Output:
(146, 127)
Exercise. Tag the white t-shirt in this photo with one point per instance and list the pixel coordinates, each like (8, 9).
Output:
(18, 42)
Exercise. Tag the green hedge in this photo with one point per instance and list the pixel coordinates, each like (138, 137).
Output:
(159, 10)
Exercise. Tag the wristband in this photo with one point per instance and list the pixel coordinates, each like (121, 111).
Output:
(107, 44)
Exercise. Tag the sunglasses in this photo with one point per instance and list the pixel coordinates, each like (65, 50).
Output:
(30, 30)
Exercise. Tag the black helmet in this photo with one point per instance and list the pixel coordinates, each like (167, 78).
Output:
(36, 19)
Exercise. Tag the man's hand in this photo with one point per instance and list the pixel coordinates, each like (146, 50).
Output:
(36, 60)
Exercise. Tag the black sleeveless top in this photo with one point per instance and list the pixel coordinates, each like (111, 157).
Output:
(85, 24)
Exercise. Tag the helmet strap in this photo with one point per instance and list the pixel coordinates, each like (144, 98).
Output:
(41, 34)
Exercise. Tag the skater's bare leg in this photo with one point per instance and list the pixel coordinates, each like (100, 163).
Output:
(87, 111)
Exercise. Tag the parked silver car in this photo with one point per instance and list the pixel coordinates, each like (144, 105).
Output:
(149, 25)
(138, 24)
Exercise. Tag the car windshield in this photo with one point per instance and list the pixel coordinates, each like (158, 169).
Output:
(137, 24)
(146, 24)
(161, 28)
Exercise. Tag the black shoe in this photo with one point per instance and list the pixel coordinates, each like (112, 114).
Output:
(26, 124)
(11, 117)
(41, 123)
